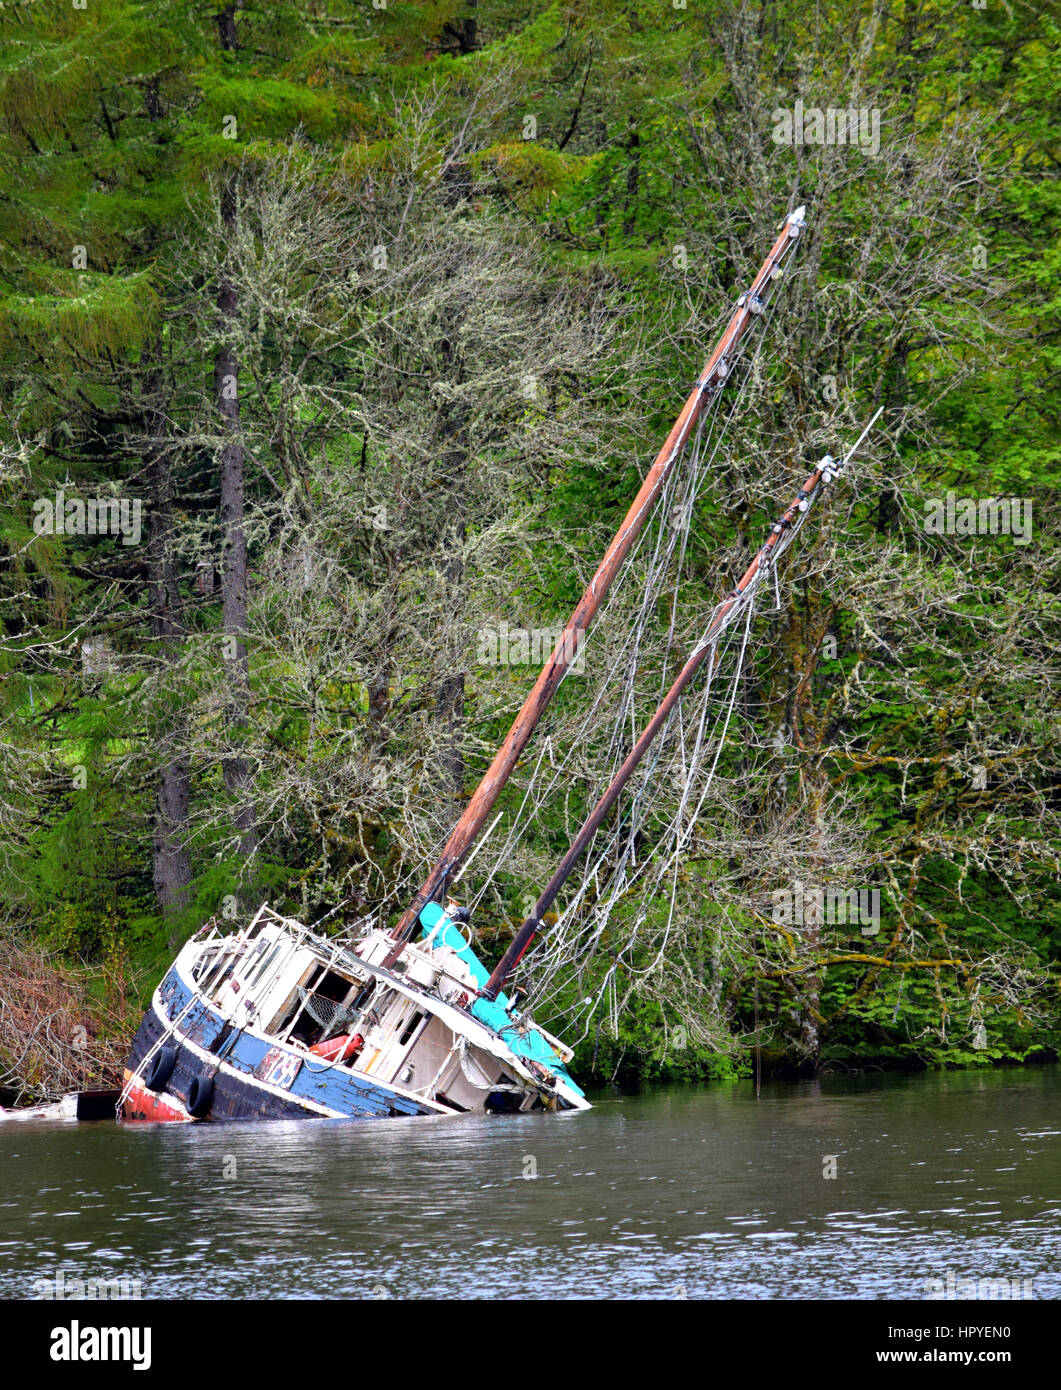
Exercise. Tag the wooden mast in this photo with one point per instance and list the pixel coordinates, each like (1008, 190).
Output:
(711, 380)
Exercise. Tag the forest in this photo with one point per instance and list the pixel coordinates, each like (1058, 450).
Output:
(336, 337)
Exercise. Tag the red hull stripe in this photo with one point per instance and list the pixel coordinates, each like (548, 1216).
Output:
(142, 1104)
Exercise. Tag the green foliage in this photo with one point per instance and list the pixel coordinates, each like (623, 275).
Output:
(643, 183)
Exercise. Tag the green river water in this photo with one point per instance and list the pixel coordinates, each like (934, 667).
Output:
(685, 1191)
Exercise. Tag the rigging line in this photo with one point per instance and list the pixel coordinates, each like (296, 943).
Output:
(673, 859)
(734, 355)
(602, 691)
(626, 656)
(511, 838)
(767, 562)
(697, 749)
(650, 588)
(670, 482)
(692, 486)
(521, 817)
(689, 503)
(675, 478)
(653, 590)
(649, 769)
(695, 481)
(557, 775)
(682, 834)
(690, 478)
(586, 938)
(460, 873)
(616, 832)
(718, 738)
(631, 824)
(634, 818)
(733, 397)
(691, 490)
(631, 641)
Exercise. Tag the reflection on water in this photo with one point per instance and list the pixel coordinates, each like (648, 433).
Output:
(694, 1191)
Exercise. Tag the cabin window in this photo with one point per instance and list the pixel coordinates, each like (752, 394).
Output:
(254, 955)
(411, 1027)
(262, 969)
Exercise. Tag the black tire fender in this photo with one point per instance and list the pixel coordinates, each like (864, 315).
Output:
(200, 1096)
(161, 1069)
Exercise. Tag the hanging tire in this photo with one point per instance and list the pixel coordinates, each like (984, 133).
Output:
(200, 1097)
(161, 1069)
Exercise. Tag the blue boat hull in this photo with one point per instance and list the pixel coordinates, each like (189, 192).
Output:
(246, 1077)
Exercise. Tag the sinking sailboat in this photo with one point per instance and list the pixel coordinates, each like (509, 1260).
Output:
(276, 1020)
